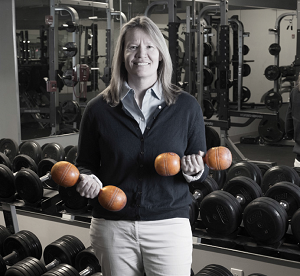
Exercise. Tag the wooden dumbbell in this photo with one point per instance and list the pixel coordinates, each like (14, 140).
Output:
(216, 158)
(110, 197)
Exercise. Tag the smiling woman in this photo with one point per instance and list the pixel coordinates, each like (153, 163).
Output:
(141, 58)
(138, 116)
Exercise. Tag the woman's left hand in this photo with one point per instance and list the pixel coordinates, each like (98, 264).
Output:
(192, 164)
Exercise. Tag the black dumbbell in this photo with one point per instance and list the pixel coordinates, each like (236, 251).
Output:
(221, 211)
(17, 247)
(8, 150)
(277, 174)
(72, 154)
(30, 186)
(245, 168)
(53, 151)
(214, 270)
(266, 218)
(62, 251)
(86, 263)
(7, 176)
(200, 189)
(31, 149)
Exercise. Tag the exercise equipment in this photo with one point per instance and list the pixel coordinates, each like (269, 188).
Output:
(217, 158)
(245, 168)
(18, 246)
(62, 251)
(86, 263)
(221, 211)
(266, 218)
(72, 155)
(277, 174)
(273, 100)
(271, 131)
(70, 49)
(30, 186)
(4, 233)
(110, 197)
(272, 73)
(9, 148)
(53, 151)
(274, 49)
(214, 270)
(71, 111)
(200, 189)
(31, 149)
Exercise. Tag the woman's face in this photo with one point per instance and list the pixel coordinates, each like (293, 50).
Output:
(141, 56)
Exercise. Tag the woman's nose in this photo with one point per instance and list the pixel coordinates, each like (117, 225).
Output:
(141, 52)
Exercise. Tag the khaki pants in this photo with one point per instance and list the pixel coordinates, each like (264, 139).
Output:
(132, 248)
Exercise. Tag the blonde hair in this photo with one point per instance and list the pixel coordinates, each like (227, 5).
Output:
(165, 69)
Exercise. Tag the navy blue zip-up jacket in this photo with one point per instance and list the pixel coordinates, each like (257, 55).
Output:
(112, 146)
(292, 121)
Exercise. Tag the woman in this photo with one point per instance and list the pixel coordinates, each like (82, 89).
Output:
(137, 117)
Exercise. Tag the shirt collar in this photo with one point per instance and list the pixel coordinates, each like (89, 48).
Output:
(156, 90)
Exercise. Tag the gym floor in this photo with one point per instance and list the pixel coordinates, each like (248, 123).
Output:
(281, 154)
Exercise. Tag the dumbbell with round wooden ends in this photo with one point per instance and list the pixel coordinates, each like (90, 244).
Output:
(216, 158)
(221, 211)
(62, 251)
(86, 263)
(30, 185)
(67, 175)
(17, 247)
(266, 219)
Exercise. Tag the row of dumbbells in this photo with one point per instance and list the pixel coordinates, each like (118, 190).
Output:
(66, 256)
(264, 202)
(30, 153)
(21, 253)
(28, 175)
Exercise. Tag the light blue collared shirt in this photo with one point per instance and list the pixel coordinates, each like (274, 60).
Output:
(152, 99)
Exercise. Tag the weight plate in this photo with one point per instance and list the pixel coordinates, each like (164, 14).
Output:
(212, 137)
(265, 220)
(208, 76)
(9, 147)
(70, 49)
(246, 94)
(54, 151)
(5, 160)
(208, 109)
(193, 211)
(286, 193)
(44, 167)
(221, 213)
(23, 161)
(207, 49)
(245, 168)
(32, 149)
(271, 131)
(7, 186)
(72, 155)
(33, 243)
(29, 186)
(219, 176)
(244, 187)
(246, 70)
(245, 50)
(278, 174)
(4, 233)
(263, 167)
(272, 73)
(273, 100)
(222, 269)
(295, 225)
(70, 111)
(274, 49)
(67, 148)
(62, 270)
(74, 245)
(201, 189)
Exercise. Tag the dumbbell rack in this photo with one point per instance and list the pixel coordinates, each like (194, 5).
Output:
(286, 249)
